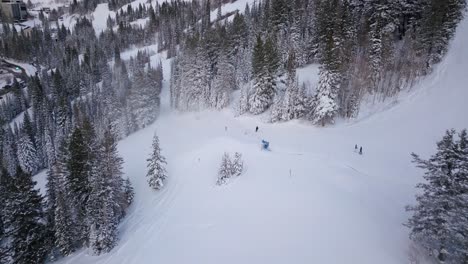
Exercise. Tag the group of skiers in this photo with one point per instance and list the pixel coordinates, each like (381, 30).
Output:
(355, 146)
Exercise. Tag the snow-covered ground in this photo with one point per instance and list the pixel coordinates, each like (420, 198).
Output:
(100, 15)
(5, 78)
(311, 199)
(102, 12)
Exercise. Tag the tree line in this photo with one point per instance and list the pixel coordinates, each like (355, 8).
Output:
(364, 48)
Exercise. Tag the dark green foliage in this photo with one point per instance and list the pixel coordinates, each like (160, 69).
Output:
(24, 217)
(439, 221)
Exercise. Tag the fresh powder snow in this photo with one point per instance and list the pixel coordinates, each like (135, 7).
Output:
(311, 199)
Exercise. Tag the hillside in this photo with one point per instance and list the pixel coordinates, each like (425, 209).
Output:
(319, 104)
(310, 199)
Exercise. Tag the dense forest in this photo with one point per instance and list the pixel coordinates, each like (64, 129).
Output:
(85, 97)
(364, 48)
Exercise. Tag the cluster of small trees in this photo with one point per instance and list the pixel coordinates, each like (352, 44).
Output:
(126, 95)
(86, 199)
(440, 218)
(230, 168)
(23, 232)
(74, 110)
(157, 174)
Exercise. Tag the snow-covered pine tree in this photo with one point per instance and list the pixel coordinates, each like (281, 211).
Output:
(64, 224)
(24, 221)
(294, 103)
(243, 104)
(10, 158)
(144, 97)
(50, 209)
(79, 157)
(5, 185)
(107, 199)
(113, 96)
(190, 87)
(129, 192)
(325, 105)
(223, 85)
(157, 174)
(432, 223)
(278, 108)
(460, 200)
(264, 64)
(27, 155)
(225, 171)
(237, 164)
(439, 20)
(382, 19)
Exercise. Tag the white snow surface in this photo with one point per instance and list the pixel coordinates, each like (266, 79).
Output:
(41, 181)
(102, 12)
(100, 15)
(311, 199)
(237, 5)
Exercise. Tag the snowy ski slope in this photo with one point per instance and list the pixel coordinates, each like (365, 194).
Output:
(311, 199)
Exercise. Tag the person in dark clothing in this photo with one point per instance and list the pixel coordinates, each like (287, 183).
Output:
(360, 151)
(256, 129)
(355, 147)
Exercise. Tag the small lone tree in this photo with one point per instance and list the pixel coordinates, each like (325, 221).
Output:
(225, 171)
(128, 191)
(156, 172)
(237, 165)
(230, 168)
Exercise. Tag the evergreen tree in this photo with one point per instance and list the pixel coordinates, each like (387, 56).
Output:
(157, 174)
(79, 157)
(25, 221)
(225, 171)
(64, 225)
(5, 193)
(237, 165)
(439, 21)
(265, 65)
(325, 104)
(460, 214)
(129, 192)
(223, 85)
(144, 97)
(10, 158)
(106, 203)
(27, 155)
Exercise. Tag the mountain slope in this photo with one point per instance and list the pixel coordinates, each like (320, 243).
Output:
(310, 199)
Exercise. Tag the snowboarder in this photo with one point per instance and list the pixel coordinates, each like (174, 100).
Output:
(256, 129)
(360, 151)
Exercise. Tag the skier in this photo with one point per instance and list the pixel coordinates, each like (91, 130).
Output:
(355, 147)
(360, 151)
(256, 129)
